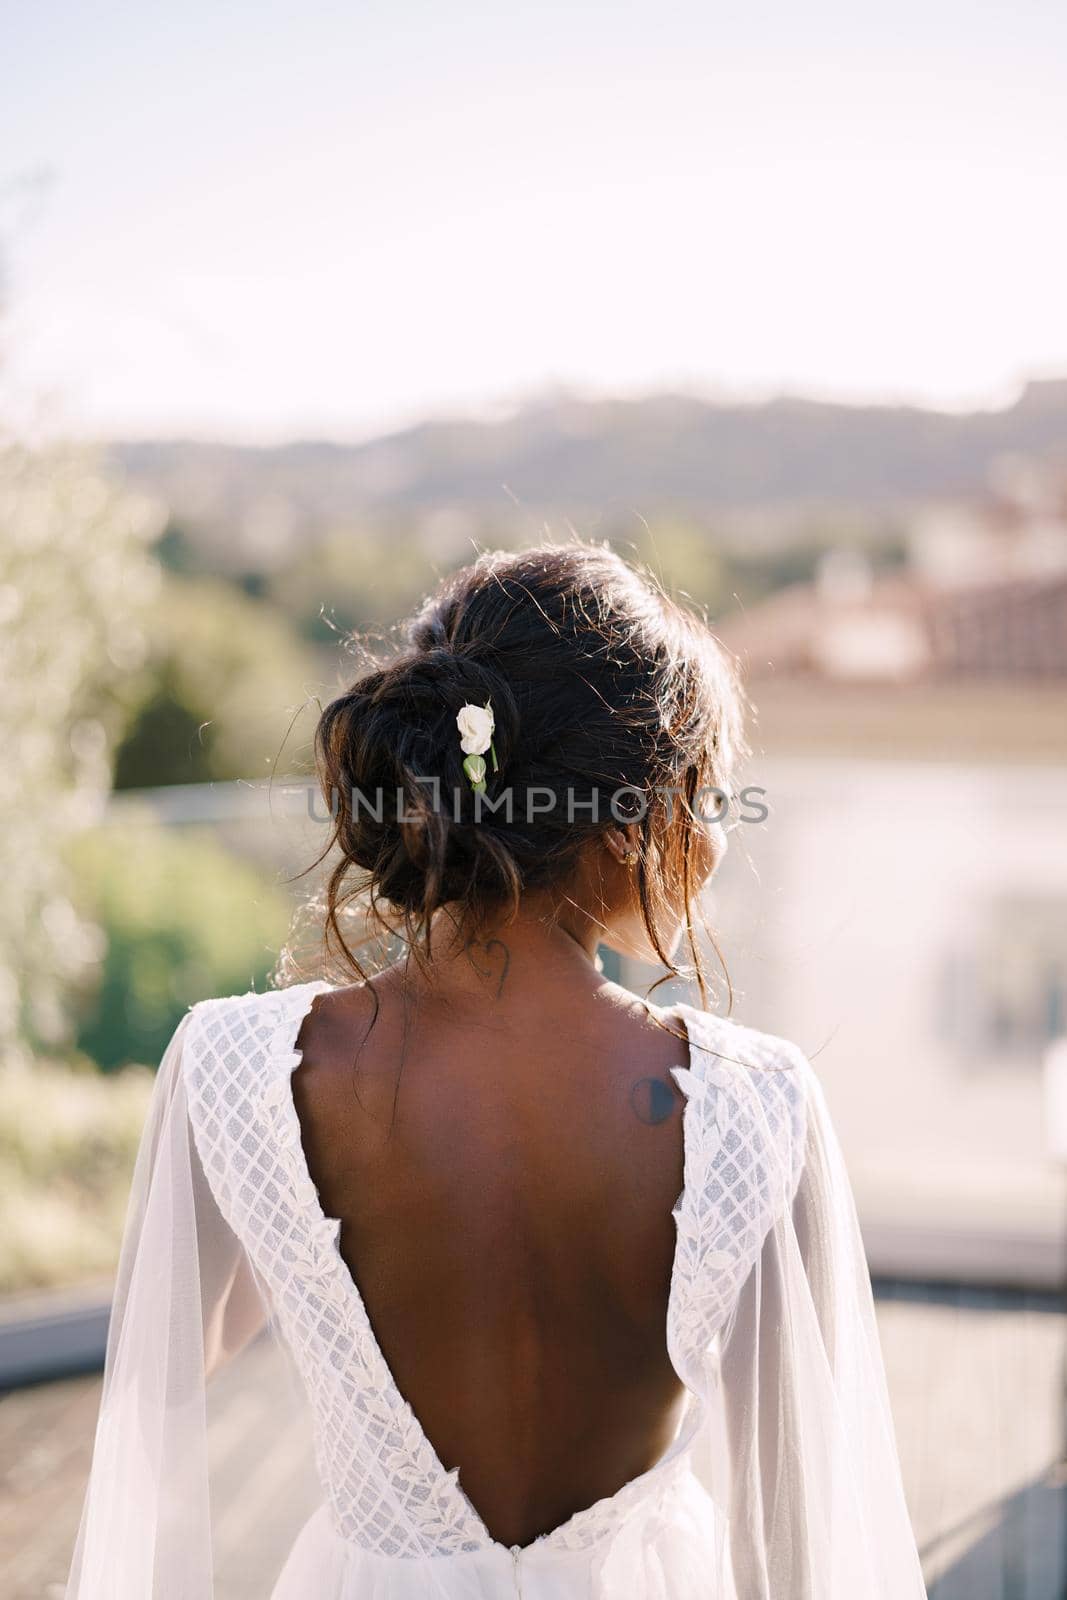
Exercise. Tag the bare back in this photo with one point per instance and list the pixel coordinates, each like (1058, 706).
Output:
(505, 1174)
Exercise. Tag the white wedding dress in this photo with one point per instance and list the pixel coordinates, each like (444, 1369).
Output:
(782, 1482)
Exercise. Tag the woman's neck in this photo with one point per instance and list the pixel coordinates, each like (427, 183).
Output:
(544, 945)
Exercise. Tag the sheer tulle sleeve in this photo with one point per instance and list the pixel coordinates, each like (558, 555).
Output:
(807, 1468)
(186, 1300)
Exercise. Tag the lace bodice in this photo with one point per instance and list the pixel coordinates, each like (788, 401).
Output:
(386, 1488)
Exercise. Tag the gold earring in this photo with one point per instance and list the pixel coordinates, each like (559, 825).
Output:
(629, 857)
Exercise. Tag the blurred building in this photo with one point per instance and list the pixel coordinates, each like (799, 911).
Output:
(903, 911)
(983, 593)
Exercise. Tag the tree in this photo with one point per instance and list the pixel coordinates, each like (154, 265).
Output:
(223, 679)
(75, 578)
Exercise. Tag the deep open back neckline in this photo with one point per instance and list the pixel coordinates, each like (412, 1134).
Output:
(291, 1025)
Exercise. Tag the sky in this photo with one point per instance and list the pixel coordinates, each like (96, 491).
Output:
(256, 222)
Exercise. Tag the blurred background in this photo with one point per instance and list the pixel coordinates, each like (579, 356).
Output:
(301, 308)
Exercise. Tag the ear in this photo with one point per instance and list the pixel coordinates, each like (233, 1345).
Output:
(621, 842)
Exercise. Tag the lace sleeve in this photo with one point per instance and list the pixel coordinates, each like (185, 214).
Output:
(232, 1303)
(812, 1483)
(185, 1302)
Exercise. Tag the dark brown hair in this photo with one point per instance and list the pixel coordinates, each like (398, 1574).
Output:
(602, 688)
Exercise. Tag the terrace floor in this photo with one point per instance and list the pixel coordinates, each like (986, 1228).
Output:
(977, 1382)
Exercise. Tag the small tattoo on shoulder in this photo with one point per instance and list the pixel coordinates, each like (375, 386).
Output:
(652, 1100)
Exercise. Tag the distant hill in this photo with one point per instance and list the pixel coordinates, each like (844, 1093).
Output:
(592, 461)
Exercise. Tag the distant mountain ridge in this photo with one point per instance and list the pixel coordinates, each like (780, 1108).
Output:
(582, 458)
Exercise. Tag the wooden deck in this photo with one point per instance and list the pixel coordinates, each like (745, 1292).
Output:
(977, 1386)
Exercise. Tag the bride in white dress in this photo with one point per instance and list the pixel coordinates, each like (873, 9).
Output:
(573, 1282)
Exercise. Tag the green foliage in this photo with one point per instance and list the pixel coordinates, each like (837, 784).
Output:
(68, 1140)
(224, 679)
(177, 552)
(363, 583)
(685, 559)
(182, 919)
(760, 574)
(169, 740)
(350, 582)
(75, 578)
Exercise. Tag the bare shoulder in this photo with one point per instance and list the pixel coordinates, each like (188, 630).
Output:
(643, 1044)
(337, 1015)
(350, 1044)
(677, 1030)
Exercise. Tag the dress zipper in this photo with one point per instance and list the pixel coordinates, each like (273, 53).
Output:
(516, 1550)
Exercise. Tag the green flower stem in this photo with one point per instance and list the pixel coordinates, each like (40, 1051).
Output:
(474, 767)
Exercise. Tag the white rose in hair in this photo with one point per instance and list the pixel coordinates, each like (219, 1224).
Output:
(475, 724)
